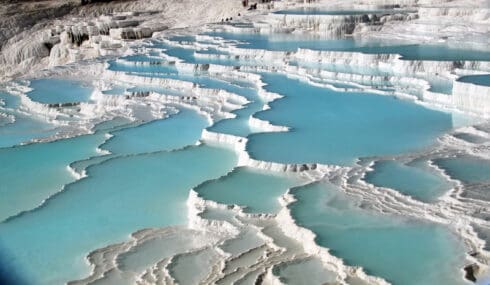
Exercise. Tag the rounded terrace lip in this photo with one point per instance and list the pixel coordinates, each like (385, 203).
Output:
(233, 151)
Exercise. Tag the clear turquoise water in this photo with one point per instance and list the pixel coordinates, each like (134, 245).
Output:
(202, 79)
(107, 193)
(239, 126)
(258, 191)
(113, 124)
(183, 38)
(410, 179)
(141, 58)
(236, 126)
(466, 168)
(25, 127)
(119, 197)
(288, 42)
(476, 79)
(428, 52)
(344, 68)
(292, 42)
(59, 91)
(163, 68)
(401, 251)
(45, 177)
(188, 54)
(335, 127)
(9, 100)
(146, 181)
(181, 129)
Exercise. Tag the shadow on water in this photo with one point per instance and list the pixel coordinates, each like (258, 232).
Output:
(9, 275)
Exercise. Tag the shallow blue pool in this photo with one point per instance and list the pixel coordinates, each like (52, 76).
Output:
(408, 51)
(180, 130)
(146, 180)
(119, 196)
(413, 179)
(25, 127)
(466, 168)
(403, 251)
(338, 127)
(483, 79)
(257, 191)
(52, 90)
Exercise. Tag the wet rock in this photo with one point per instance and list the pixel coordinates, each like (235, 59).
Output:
(470, 272)
(303, 167)
(61, 105)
